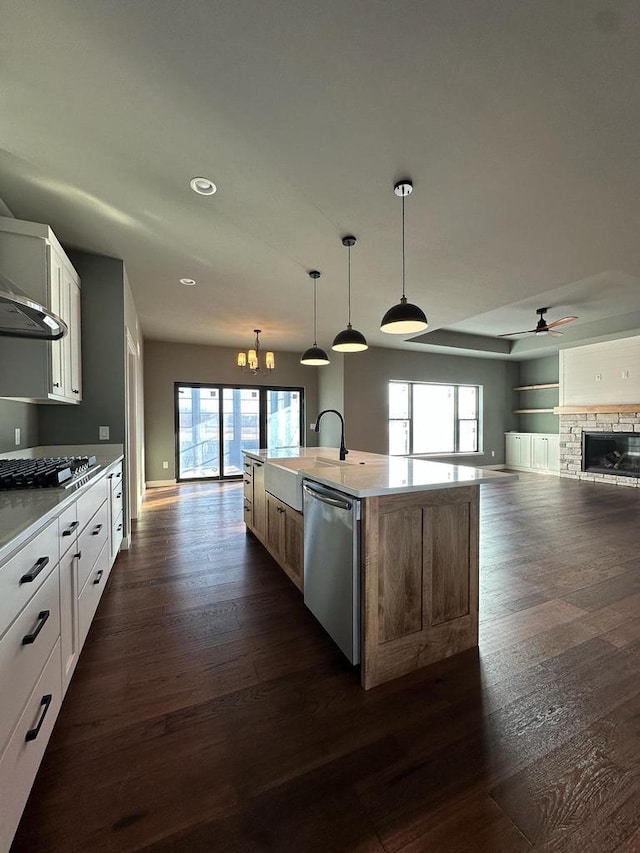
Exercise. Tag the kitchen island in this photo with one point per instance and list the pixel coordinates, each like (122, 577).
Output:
(419, 546)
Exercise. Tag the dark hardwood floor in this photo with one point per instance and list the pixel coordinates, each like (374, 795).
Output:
(209, 711)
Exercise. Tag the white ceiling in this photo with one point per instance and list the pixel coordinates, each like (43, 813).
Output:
(519, 123)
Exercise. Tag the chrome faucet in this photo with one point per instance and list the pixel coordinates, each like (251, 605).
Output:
(316, 427)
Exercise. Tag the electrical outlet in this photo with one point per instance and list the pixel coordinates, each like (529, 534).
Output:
(625, 374)
(493, 453)
(598, 377)
(165, 464)
(103, 432)
(312, 426)
(17, 436)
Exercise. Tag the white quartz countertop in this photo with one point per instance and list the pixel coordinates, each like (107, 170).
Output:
(23, 511)
(369, 474)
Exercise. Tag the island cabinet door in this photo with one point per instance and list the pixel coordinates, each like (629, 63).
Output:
(420, 580)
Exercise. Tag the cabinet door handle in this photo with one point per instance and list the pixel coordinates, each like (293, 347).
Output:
(97, 530)
(119, 527)
(78, 556)
(35, 571)
(56, 384)
(98, 577)
(70, 528)
(119, 495)
(42, 618)
(247, 509)
(32, 734)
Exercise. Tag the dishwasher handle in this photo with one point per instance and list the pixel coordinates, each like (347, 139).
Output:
(325, 499)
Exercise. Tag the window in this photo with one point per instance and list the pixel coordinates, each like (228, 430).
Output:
(425, 417)
(215, 423)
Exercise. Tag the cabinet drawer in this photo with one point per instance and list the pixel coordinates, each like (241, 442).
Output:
(68, 527)
(248, 516)
(116, 501)
(34, 560)
(116, 536)
(20, 761)
(248, 487)
(115, 479)
(21, 662)
(90, 595)
(89, 502)
(90, 543)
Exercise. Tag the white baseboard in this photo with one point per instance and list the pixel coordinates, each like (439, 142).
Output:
(153, 484)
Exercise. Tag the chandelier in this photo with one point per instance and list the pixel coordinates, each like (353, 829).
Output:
(250, 361)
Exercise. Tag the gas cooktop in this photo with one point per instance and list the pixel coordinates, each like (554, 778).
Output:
(49, 472)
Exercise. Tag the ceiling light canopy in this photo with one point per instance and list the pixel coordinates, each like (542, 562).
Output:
(404, 318)
(203, 186)
(250, 361)
(189, 282)
(315, 356)
(349, 339)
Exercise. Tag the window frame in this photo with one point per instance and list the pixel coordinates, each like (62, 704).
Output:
(456, 419)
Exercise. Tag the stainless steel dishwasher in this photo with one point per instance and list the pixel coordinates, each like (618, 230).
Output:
(332, 564)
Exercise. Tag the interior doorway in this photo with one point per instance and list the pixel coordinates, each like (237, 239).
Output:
(214, 424)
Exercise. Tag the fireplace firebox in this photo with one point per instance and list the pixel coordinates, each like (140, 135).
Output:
(616, 453)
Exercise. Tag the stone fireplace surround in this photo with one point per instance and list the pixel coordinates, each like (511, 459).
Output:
(572, 425)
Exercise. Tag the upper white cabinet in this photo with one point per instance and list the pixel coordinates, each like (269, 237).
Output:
(41, 371)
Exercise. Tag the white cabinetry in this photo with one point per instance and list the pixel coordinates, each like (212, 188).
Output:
(532, 452)
(50, 587)
(41, 371)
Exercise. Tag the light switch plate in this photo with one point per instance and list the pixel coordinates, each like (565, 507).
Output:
(104, 433)
(17, 434)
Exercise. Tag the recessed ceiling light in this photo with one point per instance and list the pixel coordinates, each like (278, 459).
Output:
(188, 281)
(203, 186)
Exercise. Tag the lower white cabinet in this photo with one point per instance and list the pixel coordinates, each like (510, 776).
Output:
(530, 451)
(50, 589)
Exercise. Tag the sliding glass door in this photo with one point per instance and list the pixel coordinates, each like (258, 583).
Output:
(216, 423)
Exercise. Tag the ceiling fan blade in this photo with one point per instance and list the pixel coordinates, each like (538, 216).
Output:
(554, 334)
(509, 334)
(560, 322)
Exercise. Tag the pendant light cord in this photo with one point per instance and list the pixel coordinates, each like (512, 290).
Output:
(349, 287)
(403, 296)
(315, 323)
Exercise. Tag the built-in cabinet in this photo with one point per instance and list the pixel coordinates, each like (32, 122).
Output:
(533, 452)
(41, 371)
(277, 525)
(50, 588)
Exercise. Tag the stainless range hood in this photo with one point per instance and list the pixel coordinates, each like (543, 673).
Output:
(23, 317)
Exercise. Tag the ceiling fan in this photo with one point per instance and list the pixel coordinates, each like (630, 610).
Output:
(542, 327)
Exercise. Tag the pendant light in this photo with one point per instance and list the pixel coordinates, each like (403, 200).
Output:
(404, 318)
(349, 339)
(251, 361)
(314, 356)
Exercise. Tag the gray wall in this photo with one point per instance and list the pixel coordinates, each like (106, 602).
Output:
(366, 379)
(23, 415)
(103, 353)
(536, 372)
(331, 396)
(166, 363)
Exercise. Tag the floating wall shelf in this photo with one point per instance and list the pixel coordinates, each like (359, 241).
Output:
(536, 387)
(530, 411)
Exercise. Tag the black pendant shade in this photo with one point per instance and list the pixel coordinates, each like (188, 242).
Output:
(404, 318)
(315, 356)
(349, 339)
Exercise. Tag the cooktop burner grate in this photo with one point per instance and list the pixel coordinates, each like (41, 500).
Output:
(48, 472)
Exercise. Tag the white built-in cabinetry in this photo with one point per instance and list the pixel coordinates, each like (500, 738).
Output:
(528, 451)
(50, 587)
(41, 371)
